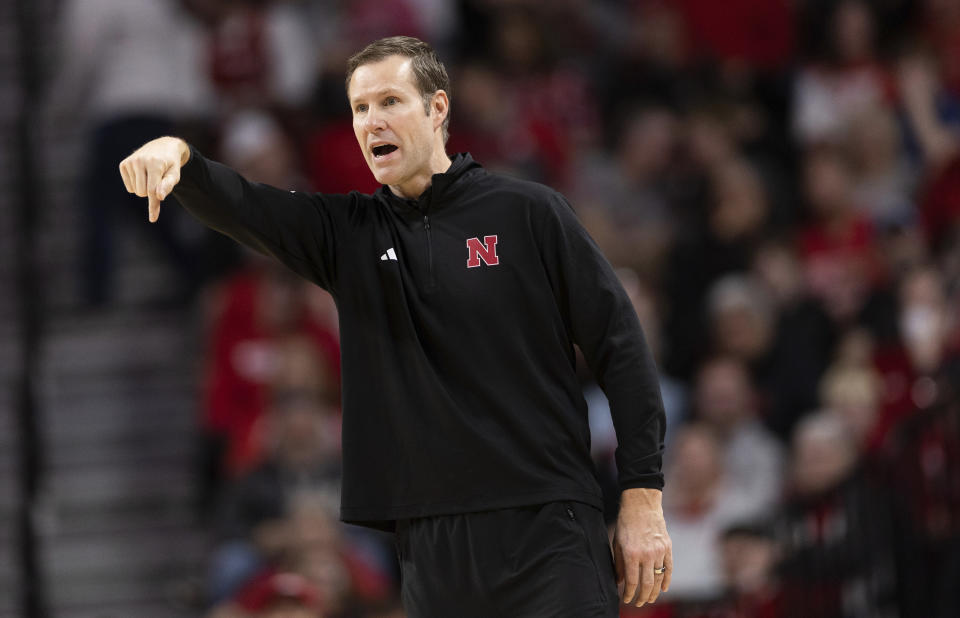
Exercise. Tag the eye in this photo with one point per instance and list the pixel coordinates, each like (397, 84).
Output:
(362, 107)
(391, 101)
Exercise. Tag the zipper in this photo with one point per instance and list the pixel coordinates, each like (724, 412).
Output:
(585, 535)
(426, 227)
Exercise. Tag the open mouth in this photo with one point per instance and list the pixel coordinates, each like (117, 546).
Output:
(384, 150)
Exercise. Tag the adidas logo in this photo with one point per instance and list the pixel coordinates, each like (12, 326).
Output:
(389, 255)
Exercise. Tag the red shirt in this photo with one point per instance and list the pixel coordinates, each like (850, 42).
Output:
(758, 32)
(335, 163)
(240, 350)
(940, 201)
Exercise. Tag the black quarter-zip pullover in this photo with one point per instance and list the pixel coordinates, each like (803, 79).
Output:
(458, 315)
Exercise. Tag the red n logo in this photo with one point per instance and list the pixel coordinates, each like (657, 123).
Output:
(486, 251)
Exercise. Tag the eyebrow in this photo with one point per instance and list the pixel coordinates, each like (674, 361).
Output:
(379, 93)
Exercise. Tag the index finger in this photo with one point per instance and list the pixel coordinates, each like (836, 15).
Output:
(153, 208)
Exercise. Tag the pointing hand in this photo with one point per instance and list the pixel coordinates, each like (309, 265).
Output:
(154, 169)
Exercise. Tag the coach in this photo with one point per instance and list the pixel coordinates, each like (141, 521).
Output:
(461, 294)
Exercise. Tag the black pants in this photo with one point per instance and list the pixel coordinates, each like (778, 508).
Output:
(549, 560)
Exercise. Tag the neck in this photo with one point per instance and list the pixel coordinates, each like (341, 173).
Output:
(414, 187)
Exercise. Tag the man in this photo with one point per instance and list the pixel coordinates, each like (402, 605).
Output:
(461, 294)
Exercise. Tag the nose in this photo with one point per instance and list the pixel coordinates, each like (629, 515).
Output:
(373, 121)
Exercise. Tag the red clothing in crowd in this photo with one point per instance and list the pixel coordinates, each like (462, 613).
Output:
(534, 148)
(544, 115)
(238, 57)
(853, 238)
(757, 32)
(943, 33)
(940, 201)
(240, 358)
(899, 392)
(335, 163)
(840, 263)
(905, 390)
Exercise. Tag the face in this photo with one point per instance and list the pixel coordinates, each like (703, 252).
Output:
(648, 143)
(853, 31)
(820, 460)
(739, 203)
(397, 136)
(827, 186)
(723, 393)
(852, 394)
(749, 561)
(697, 462)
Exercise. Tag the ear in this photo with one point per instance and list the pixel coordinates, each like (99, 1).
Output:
(439, 108)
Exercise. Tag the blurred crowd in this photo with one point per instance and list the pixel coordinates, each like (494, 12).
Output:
(776, 181)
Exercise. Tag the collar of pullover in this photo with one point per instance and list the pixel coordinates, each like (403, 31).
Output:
(442, 187)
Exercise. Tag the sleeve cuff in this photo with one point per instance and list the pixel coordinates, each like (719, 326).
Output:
(651, 482)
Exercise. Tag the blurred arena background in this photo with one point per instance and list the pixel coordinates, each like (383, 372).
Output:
(778, 182)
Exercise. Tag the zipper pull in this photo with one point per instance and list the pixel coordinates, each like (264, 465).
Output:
(426, 222)
(570, 513)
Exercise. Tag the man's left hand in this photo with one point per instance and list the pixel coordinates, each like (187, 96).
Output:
(641, 547)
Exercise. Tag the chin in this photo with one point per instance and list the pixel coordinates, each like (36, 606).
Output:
(385, 177)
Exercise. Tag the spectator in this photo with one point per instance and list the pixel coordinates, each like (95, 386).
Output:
(725, 402)
(302, 438)
(260, 54)
(927, 110)
(343, 577)
(352, 569)
(853, 395)
(255, 144)
(838, 246)
(756, 33)
(836, 529)
(749, 556)
(785, 351)
(650, 62)
(883, 180)
(748, 559)
(274, 595)
(942, 29)
(543, 92)
(829, 95)
(740, 317)
(494, 128)
(250, 314)
(129, 72)
(924, 465)
(625, 200)
(700, 504)
(723, 241)
(552, 88)
(927, 348)
(788, 373)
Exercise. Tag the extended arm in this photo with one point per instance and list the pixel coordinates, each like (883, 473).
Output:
(296, 228)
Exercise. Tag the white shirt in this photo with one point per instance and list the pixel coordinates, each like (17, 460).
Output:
(129, 57)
